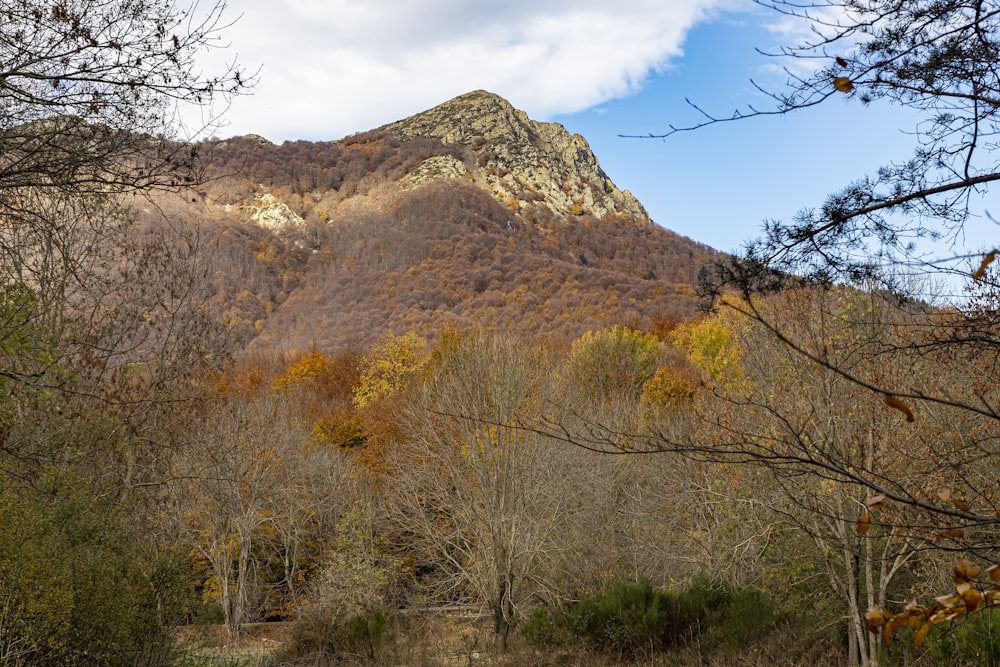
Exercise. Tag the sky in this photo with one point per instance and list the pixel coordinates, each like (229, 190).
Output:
(331, 68)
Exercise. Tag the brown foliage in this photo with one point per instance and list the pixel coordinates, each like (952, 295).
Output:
(444, 252)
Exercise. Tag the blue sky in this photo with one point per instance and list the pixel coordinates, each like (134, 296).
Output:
(330, 68)
(719, 183)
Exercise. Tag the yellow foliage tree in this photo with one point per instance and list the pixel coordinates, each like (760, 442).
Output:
(666, 389)
(310, 367)
(711, 346)
(612, 362)
(389, 367)
(341, 428)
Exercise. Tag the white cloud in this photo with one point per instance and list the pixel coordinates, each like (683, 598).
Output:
(333, 67)
(807, 31)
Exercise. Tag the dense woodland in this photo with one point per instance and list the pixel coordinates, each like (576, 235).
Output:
(643, 487)
(370, 256)
(250, 389)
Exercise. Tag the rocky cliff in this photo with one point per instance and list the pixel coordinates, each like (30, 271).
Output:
(518, 160)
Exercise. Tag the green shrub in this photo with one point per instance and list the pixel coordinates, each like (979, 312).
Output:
(745, 616)
(539, 627)
(699, 604)
(633, 617)
(365, 632)
(627, 616)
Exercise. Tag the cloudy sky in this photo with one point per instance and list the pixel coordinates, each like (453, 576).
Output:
(330, 68)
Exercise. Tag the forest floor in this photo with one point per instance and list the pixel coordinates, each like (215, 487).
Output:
(441, 641)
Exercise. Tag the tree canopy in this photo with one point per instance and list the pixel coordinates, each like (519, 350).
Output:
(928, 366)
(89, 89)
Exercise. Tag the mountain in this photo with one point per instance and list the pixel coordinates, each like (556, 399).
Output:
(469, 214)
(520, 158)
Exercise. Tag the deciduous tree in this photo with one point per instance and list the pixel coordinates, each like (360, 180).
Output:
(233, 490)
(937, 60)
(474, 493)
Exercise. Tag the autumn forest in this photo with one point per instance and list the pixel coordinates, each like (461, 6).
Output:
(440, 393)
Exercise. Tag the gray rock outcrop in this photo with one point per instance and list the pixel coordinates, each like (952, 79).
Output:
(521, 161)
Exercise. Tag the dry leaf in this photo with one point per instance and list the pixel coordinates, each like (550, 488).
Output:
(946, 600)
(987, 260)
(841, 62)
(876, 617)
(960, 504)
(864, 523)
(973, 599)
(843, 84)
(876, 501)
(994, 572)
(944, 495)
(920, 635)
(947, 614)
(890, 629)
(964, 570)
(894, 402)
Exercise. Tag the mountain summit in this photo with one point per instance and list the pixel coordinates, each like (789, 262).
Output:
(522, 160)
(468, 215)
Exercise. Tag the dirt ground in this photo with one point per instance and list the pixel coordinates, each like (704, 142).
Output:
(253, 635)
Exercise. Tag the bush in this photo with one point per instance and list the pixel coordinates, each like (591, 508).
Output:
(365, 632)
(745, 616)
(699, 605)
(346, 616)
(627, 616)
(632, 617)
(73, 589)
(316, 635)
(539, 628)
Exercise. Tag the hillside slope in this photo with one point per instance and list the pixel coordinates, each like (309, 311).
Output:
(469, 214)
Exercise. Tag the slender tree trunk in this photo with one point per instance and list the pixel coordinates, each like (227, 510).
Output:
(242, 584)
(855, 640)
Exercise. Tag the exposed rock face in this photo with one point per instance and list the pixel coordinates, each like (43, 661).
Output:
(440, 166)
(268, 211)
(518, 159)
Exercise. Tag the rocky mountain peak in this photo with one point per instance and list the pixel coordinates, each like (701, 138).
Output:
(522, 161)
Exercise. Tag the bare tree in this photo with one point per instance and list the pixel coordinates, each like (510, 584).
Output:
(801, 411)
(887, 233)
(318, 488)
(481, 499)
(90, 93)
(233, 481)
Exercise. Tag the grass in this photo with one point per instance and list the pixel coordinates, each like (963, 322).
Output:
(211, 646)
(440, 640)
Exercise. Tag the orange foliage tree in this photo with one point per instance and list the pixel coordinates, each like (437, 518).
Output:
(257, 490)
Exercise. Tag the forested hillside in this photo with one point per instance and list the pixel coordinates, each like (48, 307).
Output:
(439, 394)
(327, 245)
